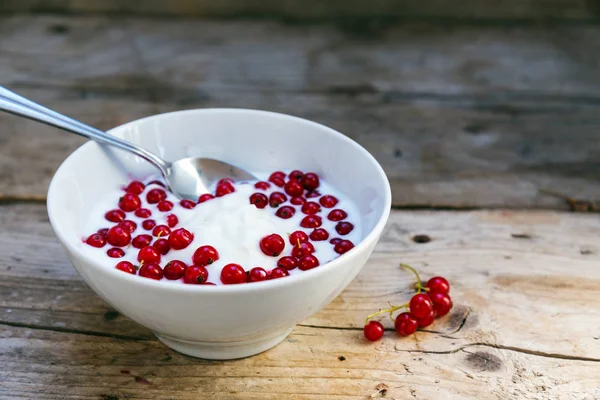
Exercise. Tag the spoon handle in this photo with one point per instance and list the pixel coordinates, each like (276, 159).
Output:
(19, 105)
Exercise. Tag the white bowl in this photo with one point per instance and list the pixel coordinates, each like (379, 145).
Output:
(234, 321)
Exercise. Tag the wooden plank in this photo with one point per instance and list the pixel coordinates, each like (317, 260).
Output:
(461, 117)
(515, 276)
(560, 10)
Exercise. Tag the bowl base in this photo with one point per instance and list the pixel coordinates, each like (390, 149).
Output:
(225, 350)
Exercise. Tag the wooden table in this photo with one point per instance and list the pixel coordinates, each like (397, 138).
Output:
(469, 123)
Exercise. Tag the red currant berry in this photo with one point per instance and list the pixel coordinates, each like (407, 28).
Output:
(262, 185)
(335, 241)
(319, 234)
(148, 254)
(161, 230)
(259, 200)
(185, 203)
(174, 270)
(308, 262)
(232, 274)
(280, 182)
(195, 274)
(180, 238)
(165, 206)
(96, 240)
(438, 284)
(129, 225)
(313, 194)
(115, 252)
(287, 262)
(135, 187)
(224, 189)
(337, 215)
(141, 241)
(302, 249)
(311, 221)
(172, 220)
(286, 212)
(310, 181)
(294, 188)
(298, 237)
(257, 274)
(156, 182)
(442, 303)
(118, 236)
(276, 199)
(310, 207)
(276, 175)
(328, 201)
(278, 272)
(373, 331)
(344, 228)
(225, 181)
(272, 245)
(114, 216)
(103, 231)
(129, 202)
(152, 271)
(298, 200)
(205, 255)
(162, 245)
(296, 174)
(155, 196)
(148, 224)
(143, 213)
(126, 266)
(426, 320)
(205, 197)
(420, 305)
(343, 246)
(406, 324)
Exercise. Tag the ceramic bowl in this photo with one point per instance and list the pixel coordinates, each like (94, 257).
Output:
(234, 321)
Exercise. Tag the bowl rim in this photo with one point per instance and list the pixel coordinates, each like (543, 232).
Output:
(225, 289)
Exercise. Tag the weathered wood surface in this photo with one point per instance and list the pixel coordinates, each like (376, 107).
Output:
(554, 10)
(526, 322)
(458, 116)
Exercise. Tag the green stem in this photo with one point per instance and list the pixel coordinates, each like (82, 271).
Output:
(419, 285)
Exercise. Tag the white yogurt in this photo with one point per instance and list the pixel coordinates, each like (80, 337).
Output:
(230, 224)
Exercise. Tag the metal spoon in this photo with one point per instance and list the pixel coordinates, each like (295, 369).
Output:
(187, 178)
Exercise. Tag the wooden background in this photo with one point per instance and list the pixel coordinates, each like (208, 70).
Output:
(469, 119)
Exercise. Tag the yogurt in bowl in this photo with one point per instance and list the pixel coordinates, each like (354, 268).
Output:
(224, 320)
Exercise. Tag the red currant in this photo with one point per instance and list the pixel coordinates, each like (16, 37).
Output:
(278, 273)
(115, 252)
(155, 196)
(287, 262)
(302, 249)
(129, 202)
(277, 175)
(126, 266)
(148, 224)
(277, 198)
(328, 201)
(280, 182)
(313, 194)
(310, 181)
(172, 220)
(96, 240)
(406, 324)
(185, 203)
(344, 228)
(296, 174)
(162, 245)
(286, 212)
(114, 216)
(373, 331)
(143, 213)
(118, 236)
(135, 187)
(335, 241)
(161, 230)
(225, 181)
(103, 232)
(311, 207)
(420, 305)
(174, 270)
(438, 284)
(180, 238)
(337, 215)
(148, 254)
(205, 197)
(232, 274)
(195, 274)
(427, 319)
(298, 200)
(319, 234)
(257, 274)
(272, 245)
(343, 246)
(308, 262)
(165, 206)
(224, 189)
(442, 303)
(298, 237)
(141, 241)
(128, 225)
(294, 188)
(311, 221)
(205, 255)
(152, 271)
(259, 200)
(262, 185)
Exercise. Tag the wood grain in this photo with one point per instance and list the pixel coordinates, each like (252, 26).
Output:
(459, 117)
(525, 322)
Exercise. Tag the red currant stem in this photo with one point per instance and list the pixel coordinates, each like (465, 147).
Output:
(390, 311)
(419, 285)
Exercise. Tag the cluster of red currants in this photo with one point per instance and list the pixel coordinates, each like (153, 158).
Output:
(431, 300)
